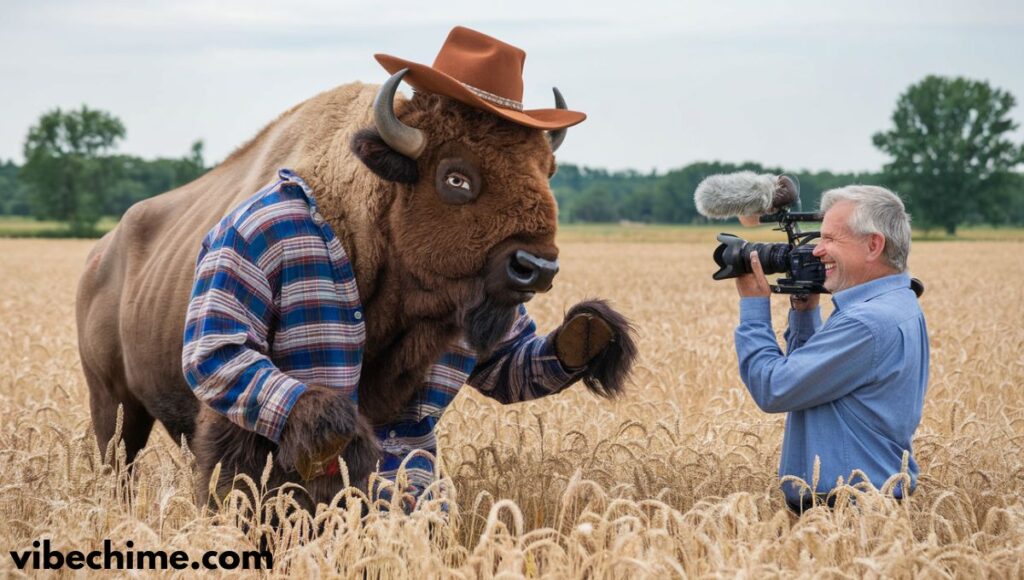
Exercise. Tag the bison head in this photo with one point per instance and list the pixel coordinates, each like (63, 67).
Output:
(474, 219)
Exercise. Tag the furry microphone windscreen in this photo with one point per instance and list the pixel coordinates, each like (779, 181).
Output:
(734, 194)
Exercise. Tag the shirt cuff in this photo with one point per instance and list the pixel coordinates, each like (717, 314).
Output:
(755, 309)
(275, 404)
(554, 371)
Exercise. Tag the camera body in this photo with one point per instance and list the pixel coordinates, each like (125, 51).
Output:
(805, 273)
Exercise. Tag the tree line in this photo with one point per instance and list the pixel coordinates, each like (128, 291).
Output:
(596, 195)
(72, 173)
(952, 160)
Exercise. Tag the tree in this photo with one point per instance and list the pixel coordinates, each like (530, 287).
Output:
(13, 197)
(594, 204)
(139, 179)
(951, 155)
(67, 165)
(190, 167)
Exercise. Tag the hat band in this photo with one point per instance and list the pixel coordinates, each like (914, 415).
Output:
(495, 99)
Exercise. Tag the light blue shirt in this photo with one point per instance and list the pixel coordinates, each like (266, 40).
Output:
(853, 387)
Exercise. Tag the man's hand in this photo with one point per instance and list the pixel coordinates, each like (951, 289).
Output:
(808, 302)
(750, 221)
(753, 284)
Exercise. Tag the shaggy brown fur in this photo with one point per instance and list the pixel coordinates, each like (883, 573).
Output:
(387, 163)
(606, 373)
(317, 416)
(419, 263)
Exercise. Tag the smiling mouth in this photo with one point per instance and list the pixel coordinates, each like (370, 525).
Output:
(829, 268)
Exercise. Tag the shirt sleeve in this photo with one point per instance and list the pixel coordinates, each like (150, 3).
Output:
(833, 362)
(225, 356)
(802, 326)
(523, 367)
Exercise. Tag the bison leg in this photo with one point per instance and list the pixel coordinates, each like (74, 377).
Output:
(97, 309)
(136, 424)
(323, 423)
(239, 452)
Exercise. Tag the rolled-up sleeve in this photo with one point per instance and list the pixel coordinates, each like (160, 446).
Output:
(225, 357)
(524, 366)
(830, 364)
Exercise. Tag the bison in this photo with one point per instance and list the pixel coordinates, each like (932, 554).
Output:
(434, 212)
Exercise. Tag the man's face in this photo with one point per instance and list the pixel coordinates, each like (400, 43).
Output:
(844, 252)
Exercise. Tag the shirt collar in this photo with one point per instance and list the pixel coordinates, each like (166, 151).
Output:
(290, 176)
(868, 290)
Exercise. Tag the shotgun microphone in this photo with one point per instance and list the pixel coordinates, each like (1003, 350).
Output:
(744, 193)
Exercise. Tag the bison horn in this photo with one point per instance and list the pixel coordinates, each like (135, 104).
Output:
(558, 135)
(407, 140)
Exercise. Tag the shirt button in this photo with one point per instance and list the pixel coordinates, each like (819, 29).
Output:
(358, 315)
(318, 219)
(393, 434)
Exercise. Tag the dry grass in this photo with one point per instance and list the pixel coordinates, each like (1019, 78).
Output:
(677, 479)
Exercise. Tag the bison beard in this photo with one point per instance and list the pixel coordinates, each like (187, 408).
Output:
(393, 375)
(487, 324)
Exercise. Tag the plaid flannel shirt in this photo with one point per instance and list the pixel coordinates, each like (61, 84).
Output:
(275, 307)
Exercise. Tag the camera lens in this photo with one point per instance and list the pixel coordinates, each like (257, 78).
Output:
(733, 257)
(774, 257)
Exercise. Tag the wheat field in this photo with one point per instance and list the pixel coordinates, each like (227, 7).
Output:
(676, 479)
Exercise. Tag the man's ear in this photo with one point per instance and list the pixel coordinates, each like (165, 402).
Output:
(876, 245)
(381, 159)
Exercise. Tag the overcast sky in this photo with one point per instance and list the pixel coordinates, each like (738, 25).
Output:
(801, 85)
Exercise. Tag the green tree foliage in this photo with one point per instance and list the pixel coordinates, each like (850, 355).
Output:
(139, 179)
(1013, 189)
(13, 193)
(589, 195)
(576, 187)
(71, 174)
(68, 168)
(69, 177)
(594, 204)
(951, 155)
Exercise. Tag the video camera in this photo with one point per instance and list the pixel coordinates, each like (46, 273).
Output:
(806, 273)
(746, 193)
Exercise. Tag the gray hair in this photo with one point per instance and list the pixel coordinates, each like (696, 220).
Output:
(876, 211)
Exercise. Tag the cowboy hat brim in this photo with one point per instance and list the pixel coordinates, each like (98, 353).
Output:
(431, 80)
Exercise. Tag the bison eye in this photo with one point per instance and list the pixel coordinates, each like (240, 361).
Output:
(456, 179)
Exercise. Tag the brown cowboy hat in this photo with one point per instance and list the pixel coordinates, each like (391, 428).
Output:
(484, 73)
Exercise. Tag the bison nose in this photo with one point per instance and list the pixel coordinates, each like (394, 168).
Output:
(529, 273)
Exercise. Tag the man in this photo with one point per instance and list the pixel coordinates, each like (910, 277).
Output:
(853, 387)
